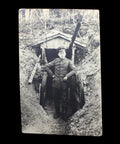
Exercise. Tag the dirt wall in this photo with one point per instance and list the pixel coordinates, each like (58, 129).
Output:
(88, 121)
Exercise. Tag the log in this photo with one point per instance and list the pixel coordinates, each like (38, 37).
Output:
(74, 35)
(33, 73)
(73, 54)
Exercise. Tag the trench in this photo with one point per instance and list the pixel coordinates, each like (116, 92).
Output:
(49, 125)
(36, 120)
(43, 121)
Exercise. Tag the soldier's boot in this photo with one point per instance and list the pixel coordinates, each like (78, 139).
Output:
(64, 116)
(56, 95)
(42, 98)
(57, 113)
(64, 105)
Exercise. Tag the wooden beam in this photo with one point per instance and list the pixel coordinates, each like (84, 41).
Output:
(73, 54)
(33, 72)
(74, 35)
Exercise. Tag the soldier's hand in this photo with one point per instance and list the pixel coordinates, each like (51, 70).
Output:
(65, 78)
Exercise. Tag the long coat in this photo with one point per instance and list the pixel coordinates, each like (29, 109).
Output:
(76, 94)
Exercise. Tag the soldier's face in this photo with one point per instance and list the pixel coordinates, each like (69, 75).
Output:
(62, 54)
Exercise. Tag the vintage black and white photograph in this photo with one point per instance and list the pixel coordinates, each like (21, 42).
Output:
(60, 71)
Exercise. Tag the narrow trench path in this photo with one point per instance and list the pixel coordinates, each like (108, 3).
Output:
(44, 122)
(58, 126)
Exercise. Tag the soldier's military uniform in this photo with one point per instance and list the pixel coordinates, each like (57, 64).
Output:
(62, 68)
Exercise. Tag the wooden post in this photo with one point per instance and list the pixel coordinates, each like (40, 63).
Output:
(74, 35)
(44, 58)
(34, 71)
(73, 54)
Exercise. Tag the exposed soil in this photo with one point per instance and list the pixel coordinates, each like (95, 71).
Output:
(37, 120)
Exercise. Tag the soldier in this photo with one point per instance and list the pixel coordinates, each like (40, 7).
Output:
(63, 69)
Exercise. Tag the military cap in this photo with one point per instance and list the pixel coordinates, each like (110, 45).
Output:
(60, 49)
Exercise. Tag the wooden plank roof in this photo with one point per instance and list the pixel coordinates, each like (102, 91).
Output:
(55, 34)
